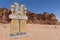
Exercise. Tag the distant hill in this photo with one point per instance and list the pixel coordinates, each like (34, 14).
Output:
(44, 18)
(4, 15)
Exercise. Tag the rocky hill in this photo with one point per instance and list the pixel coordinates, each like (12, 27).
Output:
(44, 18)
(4, 15)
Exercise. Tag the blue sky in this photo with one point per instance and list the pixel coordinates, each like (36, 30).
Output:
(36, 6)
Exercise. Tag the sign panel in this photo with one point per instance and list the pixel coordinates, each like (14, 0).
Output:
(22, 25)
(14, 28)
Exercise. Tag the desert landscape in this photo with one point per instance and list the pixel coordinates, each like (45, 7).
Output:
(41, 25)
(35, 31)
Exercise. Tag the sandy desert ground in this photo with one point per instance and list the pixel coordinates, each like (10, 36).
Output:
(36, 31)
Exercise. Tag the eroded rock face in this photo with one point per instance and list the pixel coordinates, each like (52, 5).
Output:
(44, 18)
(4, 15)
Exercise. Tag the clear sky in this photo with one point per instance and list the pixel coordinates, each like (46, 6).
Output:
(36, 6)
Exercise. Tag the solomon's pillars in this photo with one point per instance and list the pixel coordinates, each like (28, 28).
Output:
(18, 22)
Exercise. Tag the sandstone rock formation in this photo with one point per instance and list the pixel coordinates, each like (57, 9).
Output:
(44, 18)
(4, 15)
